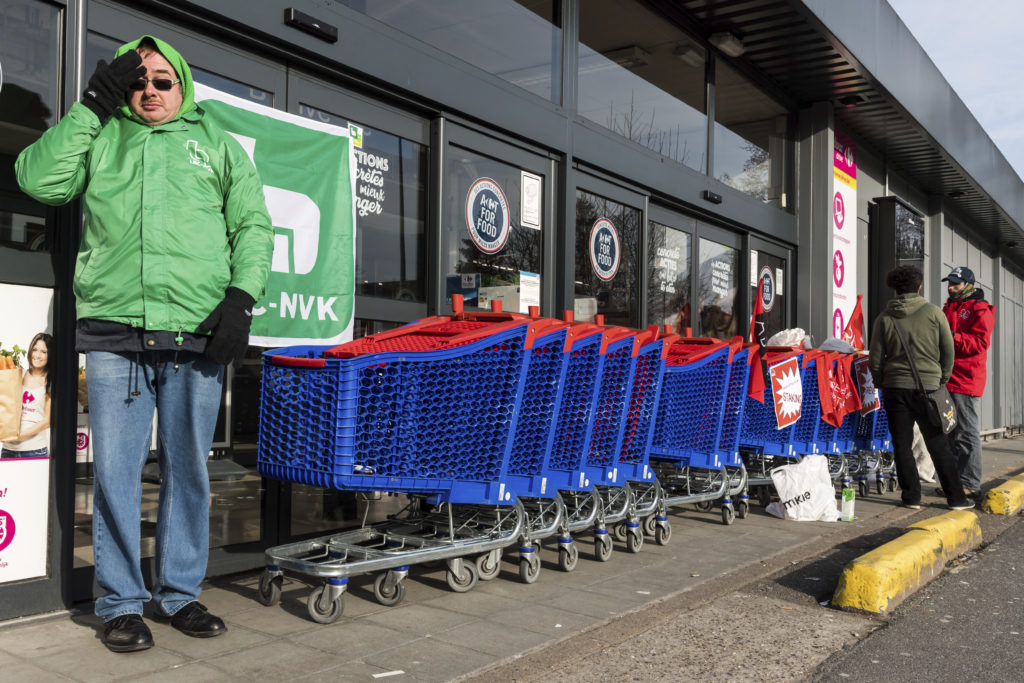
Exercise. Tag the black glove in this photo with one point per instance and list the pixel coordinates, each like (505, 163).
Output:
(110, 81)
(230, 322)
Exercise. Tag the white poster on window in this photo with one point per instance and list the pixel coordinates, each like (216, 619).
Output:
(24, 460)
(529, 209)
(529, 290)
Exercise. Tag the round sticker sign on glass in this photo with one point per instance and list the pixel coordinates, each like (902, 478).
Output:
(604, 249)
(487, 216)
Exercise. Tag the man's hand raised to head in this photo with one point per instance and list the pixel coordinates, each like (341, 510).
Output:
(109, 82)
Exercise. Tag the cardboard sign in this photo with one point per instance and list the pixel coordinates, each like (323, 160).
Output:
(787, 391)
(869, 401)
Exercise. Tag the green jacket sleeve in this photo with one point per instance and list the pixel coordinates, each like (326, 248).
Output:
(250, 231)
(52, 169)
(947, 352)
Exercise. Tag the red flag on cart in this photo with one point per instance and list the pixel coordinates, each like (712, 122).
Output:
(854, 332)
(759, 335)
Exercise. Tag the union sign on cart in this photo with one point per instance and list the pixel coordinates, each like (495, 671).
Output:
(787, 391)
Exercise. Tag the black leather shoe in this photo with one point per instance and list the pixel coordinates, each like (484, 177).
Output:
(195, 620)
(127, 633)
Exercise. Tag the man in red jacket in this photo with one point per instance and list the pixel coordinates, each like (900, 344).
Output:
(970, 319)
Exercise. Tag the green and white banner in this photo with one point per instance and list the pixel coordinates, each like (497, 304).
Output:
(308, 173)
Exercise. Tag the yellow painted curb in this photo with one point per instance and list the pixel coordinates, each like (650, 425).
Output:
(1005, 499)
(881, 579)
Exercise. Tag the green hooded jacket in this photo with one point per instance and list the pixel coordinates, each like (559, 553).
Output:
(927, 332)
(174, 213)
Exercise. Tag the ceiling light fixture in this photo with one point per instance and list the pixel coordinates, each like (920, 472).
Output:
(628, 57)
(851, 100)
(955, 194)
(727, 43)
(689, 55)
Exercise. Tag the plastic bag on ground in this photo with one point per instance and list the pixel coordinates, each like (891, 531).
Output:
(805, 491)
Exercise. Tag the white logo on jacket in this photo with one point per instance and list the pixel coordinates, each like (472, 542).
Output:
(197, 156)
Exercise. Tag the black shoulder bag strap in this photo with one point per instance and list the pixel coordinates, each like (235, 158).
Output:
(910, 356)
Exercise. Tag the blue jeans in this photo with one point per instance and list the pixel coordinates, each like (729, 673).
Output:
(966, 439)
(43, 452)
(124, 389)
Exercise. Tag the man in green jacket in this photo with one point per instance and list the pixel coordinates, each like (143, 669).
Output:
(177, 244)
(930, 343)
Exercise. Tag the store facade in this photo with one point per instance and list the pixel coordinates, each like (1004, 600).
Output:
(636, 160)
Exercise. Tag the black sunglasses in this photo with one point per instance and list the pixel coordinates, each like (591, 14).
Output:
(158, 83)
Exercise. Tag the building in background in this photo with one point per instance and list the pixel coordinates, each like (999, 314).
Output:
(655, 162)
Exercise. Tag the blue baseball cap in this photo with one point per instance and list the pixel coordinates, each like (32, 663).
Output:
(960, 274)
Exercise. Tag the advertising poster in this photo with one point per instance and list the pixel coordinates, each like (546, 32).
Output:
(24, 432)
(310, 296)
(787, 391)
(844, 233)
(869, 399)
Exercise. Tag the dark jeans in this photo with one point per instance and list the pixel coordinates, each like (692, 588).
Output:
(903, 407)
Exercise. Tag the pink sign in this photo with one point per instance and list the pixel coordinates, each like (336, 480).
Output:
(837, 324)
(838, 210)
(6, 529)
(838, 268)
(845, 159)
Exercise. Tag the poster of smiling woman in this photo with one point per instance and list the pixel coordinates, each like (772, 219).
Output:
(26, 380)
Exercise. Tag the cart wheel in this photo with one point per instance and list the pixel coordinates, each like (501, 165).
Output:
(619, 531)
(529, 567)
(728, 515)
(464, 583)
(567, 557)
(703, 506)
(880, 484)
(324, 613)
(270, 588)
(385, 596)
(892, 484)
(764, 496)
(488, 565)
(663, 533)
(603, 547)
(742, 508)
(862, 489)
(651, 524)
(634, 540)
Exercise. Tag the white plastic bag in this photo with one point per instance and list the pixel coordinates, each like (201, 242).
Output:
(794, 336)
(805, 491)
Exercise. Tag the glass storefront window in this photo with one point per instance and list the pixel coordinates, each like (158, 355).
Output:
(490, 251)
(232, 87)
(643, 78)
(29, 68)
(519, 41)
(718, 275)
(391, 210)
(751, 137)
(668, 267)
(607, 271)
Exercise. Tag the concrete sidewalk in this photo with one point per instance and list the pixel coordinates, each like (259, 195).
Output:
(437, 635)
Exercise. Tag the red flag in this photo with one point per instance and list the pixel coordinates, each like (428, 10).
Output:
(758, 335)
(854, 332)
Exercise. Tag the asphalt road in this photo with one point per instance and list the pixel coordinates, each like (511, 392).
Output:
(966, 625)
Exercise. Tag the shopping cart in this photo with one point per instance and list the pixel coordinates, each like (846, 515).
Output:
(430, 410)
(694, 451)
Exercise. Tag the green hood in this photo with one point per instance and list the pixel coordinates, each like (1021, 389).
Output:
(905, 304)
(180, 65)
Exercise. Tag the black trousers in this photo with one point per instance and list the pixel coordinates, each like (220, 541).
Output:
(903, 407)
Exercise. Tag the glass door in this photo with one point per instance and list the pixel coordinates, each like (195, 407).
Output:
(496, 223)
(35, 460)
(720, 307)
(770, 282)
(391, 153)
